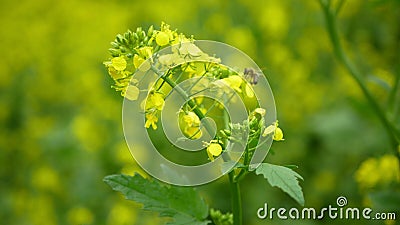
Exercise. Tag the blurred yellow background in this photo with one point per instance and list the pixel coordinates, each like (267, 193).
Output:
(60, 121)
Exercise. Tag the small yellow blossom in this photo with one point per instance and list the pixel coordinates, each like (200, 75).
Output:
(193, 132)
(269, 130)
(375, 171)
(121, 214)
(192, 125)
(387, 165)
(80, 215)
(162, 38)
(145, 52)
(249, 91)
(278, 136)
(214, 149)
(115, 74)
(188, 48)
(367, 174)
(260, 111)
(178, 39)
(141, 63)
(277, 132)
(234, 82)
(132, 93)
(46, 178)
(151, 120)
(137, 60)
(119, 63)
(155, 100)
(191, 119)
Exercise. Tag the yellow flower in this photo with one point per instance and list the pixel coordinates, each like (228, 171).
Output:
(132, 93)
(388, 165)
(115, 74)
(80, 215)
(46, 178)
(141, 63)
(179, 39)
(119, 63)
(193, 132)
(162, 38)
(214, 149)
(274, 129)
(249, 91)
(137, 60)
(171, 34)
(188, 48)
(121, 214)
(191, 125)
(155, 100)
(278, 136)
(145, 52)
(378, 171)
(151, 120)
(234, 82)
(260, 111)
(191, 119)
(367, 174)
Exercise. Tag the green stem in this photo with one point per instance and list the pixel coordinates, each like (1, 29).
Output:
(357, 76)
(234, 185)
(185, 96)
(235, 199)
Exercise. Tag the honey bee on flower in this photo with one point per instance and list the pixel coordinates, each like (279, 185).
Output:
(251, 75)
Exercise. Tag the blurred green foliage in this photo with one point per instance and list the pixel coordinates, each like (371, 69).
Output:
(61, 122)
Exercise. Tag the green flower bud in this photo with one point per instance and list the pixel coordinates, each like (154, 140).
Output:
(150, 31)
(114, 52)
(120, 38)
(115, 45)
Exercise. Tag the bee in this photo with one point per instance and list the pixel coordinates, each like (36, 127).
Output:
(251, 75)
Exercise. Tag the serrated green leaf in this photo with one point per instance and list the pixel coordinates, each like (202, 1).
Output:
(183, 204)
(283, 178)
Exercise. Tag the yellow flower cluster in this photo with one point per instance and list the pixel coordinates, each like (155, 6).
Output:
(378, 171)
(131, 52)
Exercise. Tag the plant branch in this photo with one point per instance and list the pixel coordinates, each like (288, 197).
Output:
(236, 201)
(330, 17)
(185, 96)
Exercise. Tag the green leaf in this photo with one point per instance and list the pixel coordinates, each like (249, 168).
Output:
(183, 204)
(283, 178)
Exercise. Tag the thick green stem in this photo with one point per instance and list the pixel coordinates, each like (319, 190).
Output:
(236, 200)
(330, 17)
